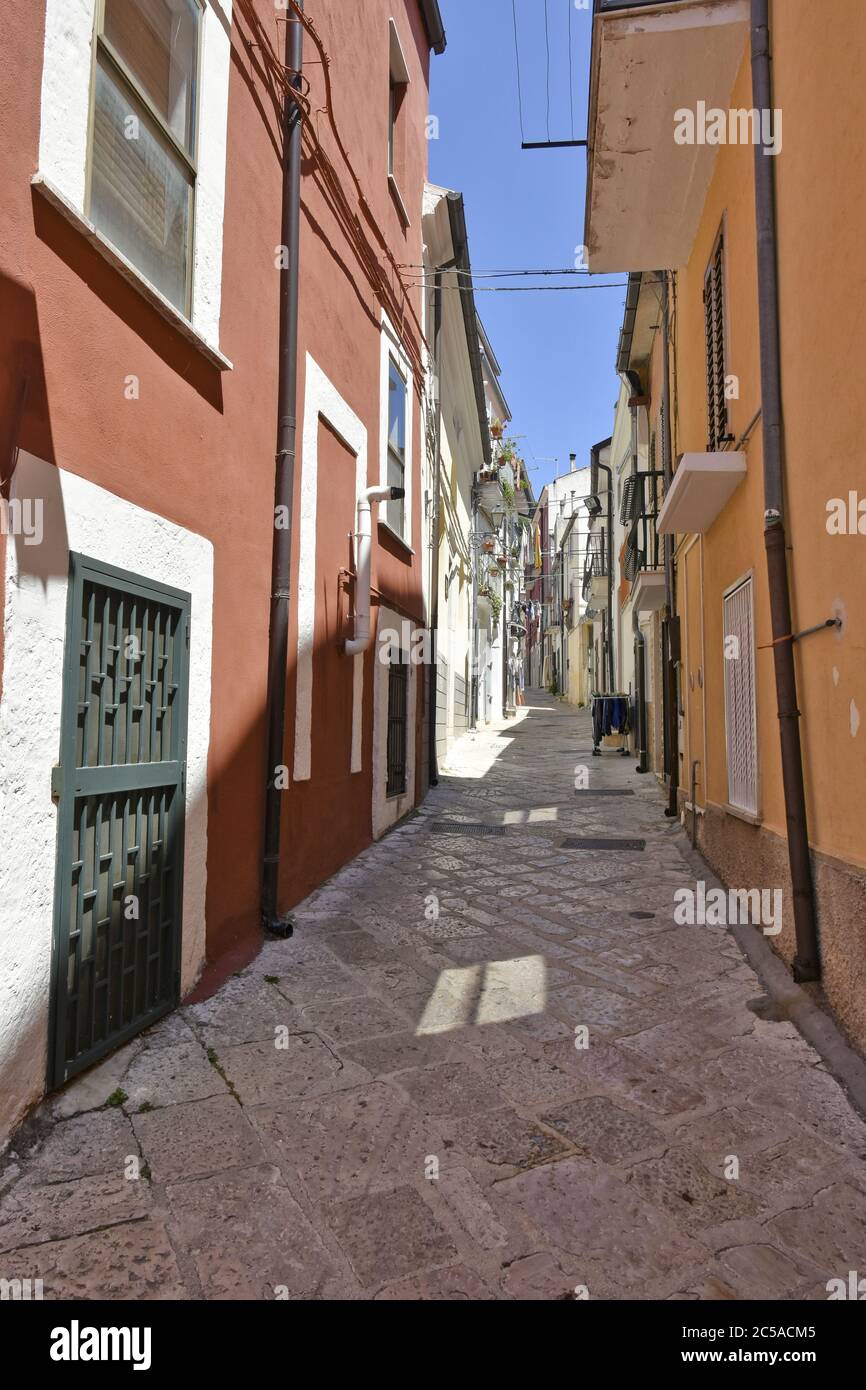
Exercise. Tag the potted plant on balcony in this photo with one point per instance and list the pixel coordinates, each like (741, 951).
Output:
(496, 429)
(488, 544)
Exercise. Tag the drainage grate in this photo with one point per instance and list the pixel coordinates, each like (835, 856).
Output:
(576, 842)
(466, 827)
(603, 791)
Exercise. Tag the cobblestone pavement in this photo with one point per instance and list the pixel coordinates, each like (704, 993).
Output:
(392, 1105)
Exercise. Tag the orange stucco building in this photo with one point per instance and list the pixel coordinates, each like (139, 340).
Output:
(681, 212)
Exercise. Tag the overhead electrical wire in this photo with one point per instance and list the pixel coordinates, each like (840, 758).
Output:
(525, 289)
(362, 231)
(498, 274)
(517, 60)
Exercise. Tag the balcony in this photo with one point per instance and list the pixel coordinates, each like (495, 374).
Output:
(595, 570)
(643, 564)
(645, 192)
(702, 486)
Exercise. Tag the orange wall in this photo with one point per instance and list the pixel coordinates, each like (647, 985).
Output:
(822, 272)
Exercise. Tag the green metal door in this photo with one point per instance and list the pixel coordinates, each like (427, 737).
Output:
(120, 789)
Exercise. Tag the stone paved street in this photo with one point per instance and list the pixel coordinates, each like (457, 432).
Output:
(392, 1104)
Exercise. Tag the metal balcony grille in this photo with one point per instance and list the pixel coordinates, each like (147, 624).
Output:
(595, 563)
(635, 558)
(631, 504)
(398, 687)
(639, 509)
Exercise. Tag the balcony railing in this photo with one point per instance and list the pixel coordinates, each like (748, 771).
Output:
(595, 564)
(641, 501)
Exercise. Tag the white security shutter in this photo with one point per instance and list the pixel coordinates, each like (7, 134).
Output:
(740, 714)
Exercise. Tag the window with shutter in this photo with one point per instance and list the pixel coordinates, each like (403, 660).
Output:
(740, 709)
(395, 510)
(398, 688)
(714, 319)
(143, 142)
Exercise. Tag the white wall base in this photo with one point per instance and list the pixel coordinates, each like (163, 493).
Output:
(77, 516)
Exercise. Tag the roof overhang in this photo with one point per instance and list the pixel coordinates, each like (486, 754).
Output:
(702, 486)
(433, 24)
(639, 325)
(645, 192)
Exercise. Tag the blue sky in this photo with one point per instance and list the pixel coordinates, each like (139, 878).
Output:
(524, 209)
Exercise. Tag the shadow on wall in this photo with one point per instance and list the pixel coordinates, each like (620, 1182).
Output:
(24, 415)
(126, 303)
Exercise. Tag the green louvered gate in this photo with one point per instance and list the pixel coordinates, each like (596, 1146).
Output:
(120, 787)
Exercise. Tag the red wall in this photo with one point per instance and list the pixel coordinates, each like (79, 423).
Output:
(198, 446)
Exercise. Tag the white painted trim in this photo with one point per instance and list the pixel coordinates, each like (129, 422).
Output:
(391, 347)
(388, 809)
(399, 66)
(322, 401)
(77, 516)
(210, 185)
(65, 104)
(64, 124)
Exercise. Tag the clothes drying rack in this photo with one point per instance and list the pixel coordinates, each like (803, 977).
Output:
(598, 721)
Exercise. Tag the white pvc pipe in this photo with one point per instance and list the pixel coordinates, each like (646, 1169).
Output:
(361, 640)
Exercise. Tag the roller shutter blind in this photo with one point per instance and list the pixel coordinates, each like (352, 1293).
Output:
(740, 709)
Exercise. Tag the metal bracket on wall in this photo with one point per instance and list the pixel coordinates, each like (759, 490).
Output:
(807, 632)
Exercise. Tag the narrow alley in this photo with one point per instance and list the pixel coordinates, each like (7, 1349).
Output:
(487, 1065)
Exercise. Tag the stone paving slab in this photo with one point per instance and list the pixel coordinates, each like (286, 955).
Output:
(483, 1068)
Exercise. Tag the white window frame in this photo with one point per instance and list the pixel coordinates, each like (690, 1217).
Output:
(123, 78)
(392, 350)
(750, 812)
(398, 76)
(64, 138)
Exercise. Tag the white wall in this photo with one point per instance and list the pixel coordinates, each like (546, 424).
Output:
(77, 516)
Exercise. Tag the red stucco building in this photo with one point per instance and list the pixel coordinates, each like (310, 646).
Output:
(142, 262)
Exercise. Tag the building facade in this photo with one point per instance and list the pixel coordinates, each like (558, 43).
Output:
(742, 148)
(145, 288)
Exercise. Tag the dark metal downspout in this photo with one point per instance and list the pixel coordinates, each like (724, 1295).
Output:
(473, 615)
(433, 769)
(605, 468)
(640, 681)
(807, 960)
(287, 396)
(563, 679)
(563, 639)
(670, 674)
(632, 381)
